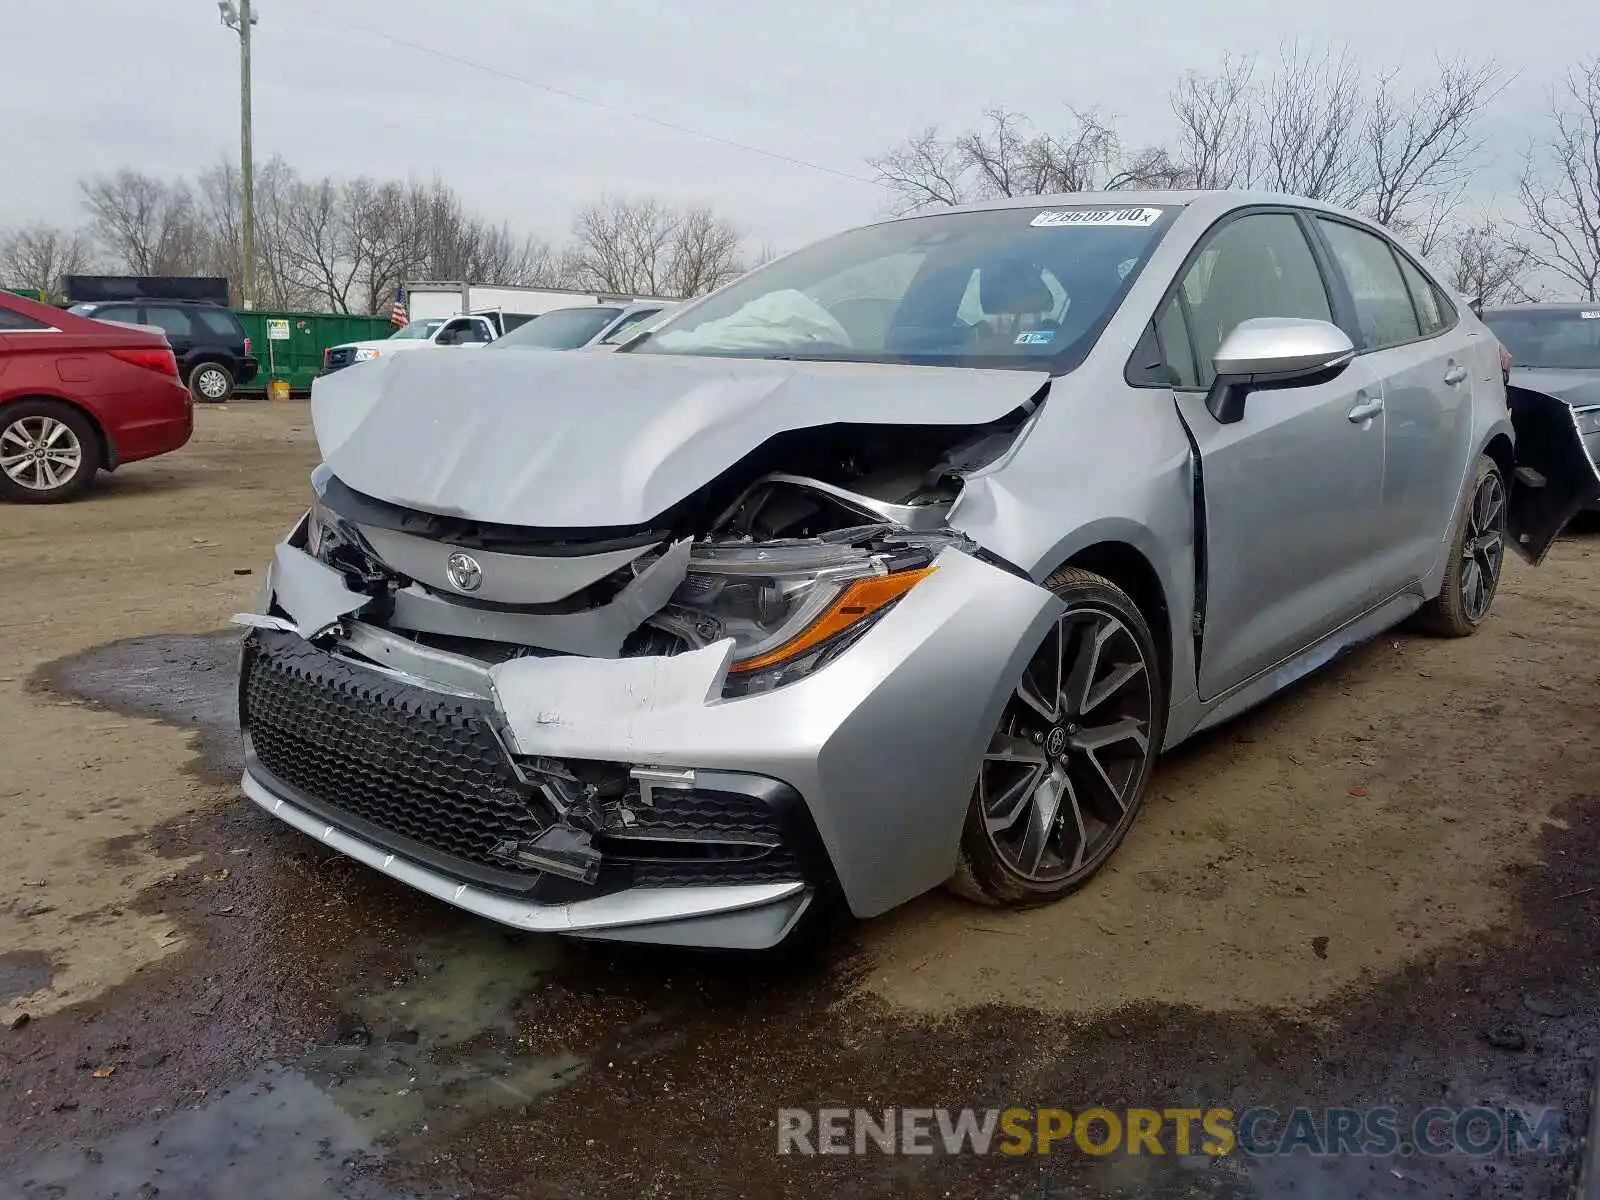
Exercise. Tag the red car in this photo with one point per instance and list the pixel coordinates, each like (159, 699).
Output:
(78, 396)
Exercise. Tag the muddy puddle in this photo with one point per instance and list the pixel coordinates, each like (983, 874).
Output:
(329, 1034)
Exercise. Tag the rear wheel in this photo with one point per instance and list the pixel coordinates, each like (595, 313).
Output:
(1067, 768)
(49, 452)
(211, 383)
(1477, 552)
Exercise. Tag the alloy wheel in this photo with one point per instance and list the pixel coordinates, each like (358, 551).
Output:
(1063, 771)
(211, 383)
(40, 453)
(1483, 548)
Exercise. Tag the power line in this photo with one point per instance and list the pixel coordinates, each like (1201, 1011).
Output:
(593, 103)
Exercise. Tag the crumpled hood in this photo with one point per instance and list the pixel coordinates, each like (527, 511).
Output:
(564, 441)
(1578, 388)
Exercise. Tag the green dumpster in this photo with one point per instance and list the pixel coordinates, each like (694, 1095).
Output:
(289, 345)
(28, 294)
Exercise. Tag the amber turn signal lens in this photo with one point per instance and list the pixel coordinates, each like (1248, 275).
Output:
(861, 599)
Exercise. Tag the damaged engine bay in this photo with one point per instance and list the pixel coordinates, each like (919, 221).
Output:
(758, 578)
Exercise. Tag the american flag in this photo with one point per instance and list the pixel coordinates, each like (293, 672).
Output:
(397, 314)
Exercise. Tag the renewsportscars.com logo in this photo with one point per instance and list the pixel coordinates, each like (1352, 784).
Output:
(1253, 1132)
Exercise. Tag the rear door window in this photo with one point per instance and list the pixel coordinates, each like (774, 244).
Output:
(173, 321)
(1384, 310)
(1434, 313)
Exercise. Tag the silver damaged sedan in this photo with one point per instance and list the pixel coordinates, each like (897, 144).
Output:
(895, 563)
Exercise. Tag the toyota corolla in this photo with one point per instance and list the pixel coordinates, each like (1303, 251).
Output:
(895, 563)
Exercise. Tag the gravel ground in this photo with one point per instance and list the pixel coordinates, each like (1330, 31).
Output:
(1329, 902)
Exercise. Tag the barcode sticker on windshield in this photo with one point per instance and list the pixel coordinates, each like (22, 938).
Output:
(1123, 217)
(1590, 316)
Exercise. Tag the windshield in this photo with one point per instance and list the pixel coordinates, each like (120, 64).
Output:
(417, 331)
(630, 325)
(1564, 338)
(1015, 287)
(560, 329)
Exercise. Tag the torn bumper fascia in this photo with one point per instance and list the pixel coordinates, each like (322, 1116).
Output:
(737, 917)
(883, 744)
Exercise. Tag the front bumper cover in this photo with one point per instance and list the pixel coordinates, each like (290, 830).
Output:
(882, 745)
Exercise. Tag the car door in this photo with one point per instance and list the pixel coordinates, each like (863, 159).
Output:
(175, 323)
(460, 332)
(1291, 491)
(1424, 356)
(1556, 477)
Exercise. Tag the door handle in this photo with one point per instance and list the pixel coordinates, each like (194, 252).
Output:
(1366, 410)
(1456, 374)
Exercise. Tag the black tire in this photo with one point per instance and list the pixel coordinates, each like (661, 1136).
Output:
(984, 871)
(1477, 553)
(22, 425)
(211, 383)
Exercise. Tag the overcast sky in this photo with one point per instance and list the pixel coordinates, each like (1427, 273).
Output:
(95, 84)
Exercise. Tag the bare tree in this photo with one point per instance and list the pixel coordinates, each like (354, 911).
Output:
(146, 225)
(1311, 112)
(347, 246)
(623, 246)
(37, 256)
(924, 171)
(1422, 146)
(1485, 264)
(1006, 156)
(377, 239)
(1560, 186)
(317, 249)
(704, 253)
(1314, 126)
(1218, 140)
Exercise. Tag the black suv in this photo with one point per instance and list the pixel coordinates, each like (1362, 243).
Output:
(212, 351)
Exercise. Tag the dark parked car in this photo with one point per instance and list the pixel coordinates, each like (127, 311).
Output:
(78, 396)
(1554, 351)
(212, 350)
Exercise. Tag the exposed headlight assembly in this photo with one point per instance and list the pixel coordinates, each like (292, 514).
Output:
(788, 608)
(364, 353)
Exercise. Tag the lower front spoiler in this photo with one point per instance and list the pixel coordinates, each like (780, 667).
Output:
(732, 917)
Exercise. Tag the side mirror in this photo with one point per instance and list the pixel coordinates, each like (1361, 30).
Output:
(1274, 352)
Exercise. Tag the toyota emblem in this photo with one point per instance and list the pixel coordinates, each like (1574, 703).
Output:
(464, 572)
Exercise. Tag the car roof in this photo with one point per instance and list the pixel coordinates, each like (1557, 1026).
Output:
(154, 300)
(1208, 203)
(1549, 306)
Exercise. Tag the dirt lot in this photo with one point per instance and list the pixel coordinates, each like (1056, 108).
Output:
(1327, 902)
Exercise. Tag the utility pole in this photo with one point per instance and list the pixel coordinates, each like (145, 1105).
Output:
(241, 19)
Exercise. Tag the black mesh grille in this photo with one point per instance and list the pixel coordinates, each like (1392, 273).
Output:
(716, 837)
(428, 768)
(425, 766)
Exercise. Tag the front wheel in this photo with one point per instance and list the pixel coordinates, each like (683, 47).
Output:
(1067, 767)
(211, 383)
(1477, 552)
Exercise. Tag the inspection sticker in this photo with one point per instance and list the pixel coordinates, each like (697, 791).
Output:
(1035, 337)
(1122, 217)
(1589, 316)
